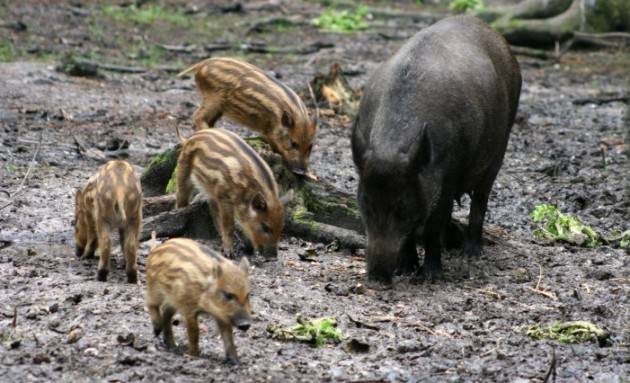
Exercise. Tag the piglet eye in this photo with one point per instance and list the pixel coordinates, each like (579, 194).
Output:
(228, 296)
(265, 228)
(294, 145)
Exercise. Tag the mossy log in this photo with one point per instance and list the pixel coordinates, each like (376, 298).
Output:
(319, 212)
(545, 22)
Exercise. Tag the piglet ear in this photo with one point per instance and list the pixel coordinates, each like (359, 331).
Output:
(287, 120)
(244, 265)
(287, 197)
(259, 203)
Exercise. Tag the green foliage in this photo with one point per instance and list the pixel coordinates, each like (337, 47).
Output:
(11, 168)
(7, 51)
(342, 21)
(317, 331)
(146, 15)
(467, 5)
(553, 225)
(569, 332)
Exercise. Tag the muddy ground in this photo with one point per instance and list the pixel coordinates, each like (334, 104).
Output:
(69, 327)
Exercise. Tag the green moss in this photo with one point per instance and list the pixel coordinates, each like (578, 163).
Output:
(329, 205)
(7, 51)
(171, 186)
(159, 160)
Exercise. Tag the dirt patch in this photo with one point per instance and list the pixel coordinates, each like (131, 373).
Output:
(72, 328)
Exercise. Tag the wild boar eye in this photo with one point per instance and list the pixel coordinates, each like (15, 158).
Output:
(295, 145)
(228, 296)
(265, 228)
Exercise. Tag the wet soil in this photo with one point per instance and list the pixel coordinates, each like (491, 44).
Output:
(69, 327)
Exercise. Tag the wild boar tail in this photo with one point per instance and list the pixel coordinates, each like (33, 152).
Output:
(119, 208)
(193, 68)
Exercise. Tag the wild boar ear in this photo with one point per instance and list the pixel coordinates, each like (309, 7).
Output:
(259, 203)
(287, 197)
(287, 120)
(244, 265)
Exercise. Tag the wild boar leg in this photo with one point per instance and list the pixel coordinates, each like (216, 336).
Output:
(167, 324)
(225, 218)
(478, 207)
(103, 233)
(208, 112)
(121, 237)
(408, 262)
(184, 182)
(192, 329)
(435, 225)
(228, 341)
(156, 317)
(130, 250)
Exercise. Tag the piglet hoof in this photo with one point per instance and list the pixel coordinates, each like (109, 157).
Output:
(101, 275)
(157, 331)
(79, 251)
(132, 276)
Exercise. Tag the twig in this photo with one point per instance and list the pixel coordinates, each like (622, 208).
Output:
(543, 292)
(540, 276)
(28, 172)
(14, 322)
(537, 289)
(362, 324)
(551, 373)
(612, 39)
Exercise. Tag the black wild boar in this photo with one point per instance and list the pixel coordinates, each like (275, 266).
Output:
(433, 124)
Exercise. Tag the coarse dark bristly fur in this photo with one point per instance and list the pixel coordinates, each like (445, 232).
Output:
(246, 94)
(183, 277)
(111, 200)
(239, 184)
(433, 124)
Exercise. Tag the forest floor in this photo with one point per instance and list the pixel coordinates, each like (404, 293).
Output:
(57, 323)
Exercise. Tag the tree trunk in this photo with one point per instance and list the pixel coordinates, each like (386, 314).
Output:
(545, 22)
(319, 212)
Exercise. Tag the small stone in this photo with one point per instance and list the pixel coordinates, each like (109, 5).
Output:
(53, 308)
(91, 351)
(74, 335)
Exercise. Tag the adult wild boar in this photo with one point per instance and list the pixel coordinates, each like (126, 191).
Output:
(433, 124)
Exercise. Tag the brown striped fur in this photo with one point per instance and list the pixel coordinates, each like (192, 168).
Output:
(239, 184)
(182, 277)
(111, 200)
(246, 94)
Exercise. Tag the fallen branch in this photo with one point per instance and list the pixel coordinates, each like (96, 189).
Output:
(600, 100)
(264, 48)
(611, 39)
(28, 172)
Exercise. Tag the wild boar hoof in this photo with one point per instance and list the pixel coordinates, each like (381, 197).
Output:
(101, 276)
(132, 276)
(231, 360)
(431, 274)
(472, 251)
